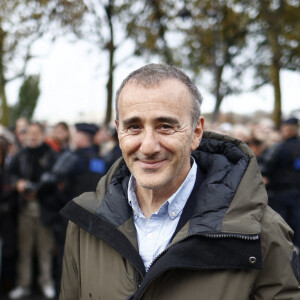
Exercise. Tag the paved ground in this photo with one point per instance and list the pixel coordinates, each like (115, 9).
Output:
(36, 295)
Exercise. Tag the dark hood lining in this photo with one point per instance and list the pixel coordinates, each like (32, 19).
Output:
(222, 166)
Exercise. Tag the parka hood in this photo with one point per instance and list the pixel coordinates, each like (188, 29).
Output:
(232, 195)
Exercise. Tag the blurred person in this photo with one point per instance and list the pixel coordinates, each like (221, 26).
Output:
(273, 138)
(27, 168)
(76, 170)
(60, 137)
(259, 149)
(241, 132)
(20, 131)
(282, 172)
(114, 152)
(224, 128)
(264, 128)
(12, 150)
(101, 137)
(183, 215)
(8, 218)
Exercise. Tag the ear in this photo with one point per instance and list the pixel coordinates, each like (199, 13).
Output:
(197, 134)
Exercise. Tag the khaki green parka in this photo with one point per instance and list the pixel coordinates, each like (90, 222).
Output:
(229, 245)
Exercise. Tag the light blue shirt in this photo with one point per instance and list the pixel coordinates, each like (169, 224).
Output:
(155, 233)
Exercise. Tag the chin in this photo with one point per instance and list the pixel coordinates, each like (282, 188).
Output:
(150, 183)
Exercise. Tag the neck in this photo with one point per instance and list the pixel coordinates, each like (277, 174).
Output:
(151, 200)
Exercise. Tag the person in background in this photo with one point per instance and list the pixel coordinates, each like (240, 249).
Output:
(27, 168)
(183, 215)
(20, 132)
(101, 140)
(282, 176)
(114, 151)
(8, 224)
(259, 149)
(74, 172)
(59, 141)
(89, 168)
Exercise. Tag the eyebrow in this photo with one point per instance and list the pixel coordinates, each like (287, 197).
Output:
(169, 120)
(127, 122)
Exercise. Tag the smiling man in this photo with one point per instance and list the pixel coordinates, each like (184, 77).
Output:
(183, 215)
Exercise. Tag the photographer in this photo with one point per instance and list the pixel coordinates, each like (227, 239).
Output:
(27, 168)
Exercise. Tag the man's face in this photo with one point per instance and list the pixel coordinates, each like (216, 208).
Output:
(34, 136)
(288, 130)
(156, 135)
(80, 139)
(61, 134)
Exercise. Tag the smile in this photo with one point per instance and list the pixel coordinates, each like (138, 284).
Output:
(151, 164)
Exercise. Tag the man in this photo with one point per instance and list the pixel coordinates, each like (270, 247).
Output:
(282, 170)
(59, 137)
(27, 168)
(20, 132)
(165, 224)
(88, 168)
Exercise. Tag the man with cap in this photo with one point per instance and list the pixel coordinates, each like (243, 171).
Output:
(283, 176)
(88, 168)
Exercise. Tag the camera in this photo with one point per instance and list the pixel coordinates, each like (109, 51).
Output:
(30, 187)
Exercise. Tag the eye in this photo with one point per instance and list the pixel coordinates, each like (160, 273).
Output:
(134, 128)
(166, 128)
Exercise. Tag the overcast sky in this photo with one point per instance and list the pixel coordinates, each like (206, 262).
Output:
(73, 82)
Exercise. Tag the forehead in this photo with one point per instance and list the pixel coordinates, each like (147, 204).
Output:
(34, 128)
(168, 95)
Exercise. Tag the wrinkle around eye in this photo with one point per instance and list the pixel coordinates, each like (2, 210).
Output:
(166, 130)
(135, 129)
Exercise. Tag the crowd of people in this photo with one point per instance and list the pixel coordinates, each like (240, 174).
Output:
(42, 168)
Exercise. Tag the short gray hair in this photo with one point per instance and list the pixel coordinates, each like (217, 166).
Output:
(153, 74)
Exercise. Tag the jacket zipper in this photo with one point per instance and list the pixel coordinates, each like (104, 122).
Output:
(249, 237)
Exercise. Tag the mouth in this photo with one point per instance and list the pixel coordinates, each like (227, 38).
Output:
(151, 164)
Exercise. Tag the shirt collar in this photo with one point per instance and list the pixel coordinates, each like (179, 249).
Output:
(175, 203)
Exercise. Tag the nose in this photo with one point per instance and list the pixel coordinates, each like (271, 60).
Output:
(150, 143)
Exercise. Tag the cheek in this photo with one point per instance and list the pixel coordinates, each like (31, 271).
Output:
(128, 144)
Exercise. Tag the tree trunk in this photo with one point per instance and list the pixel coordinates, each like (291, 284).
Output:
(162, 33)
(109, 85)
(275, 77)
(111, 49)
(274, 69)
(4, 108)
(219, 96)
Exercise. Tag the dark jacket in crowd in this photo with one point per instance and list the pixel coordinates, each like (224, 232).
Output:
(228, 244)
(87, 171)
(8, 215)
(283, 167)
(31, 164)
(73, 173)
